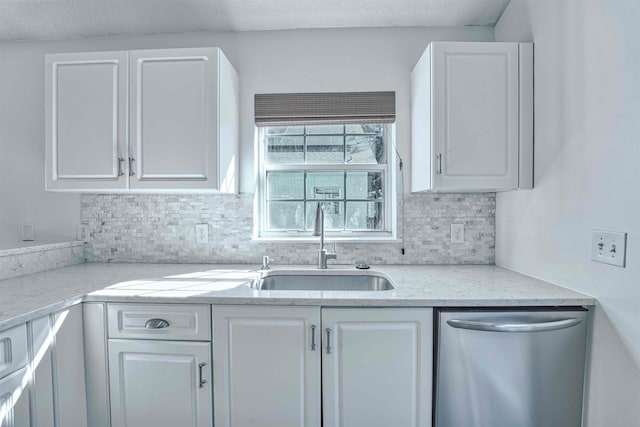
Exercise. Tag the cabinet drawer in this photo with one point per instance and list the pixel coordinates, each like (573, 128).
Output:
(184, 322)
(13, 350)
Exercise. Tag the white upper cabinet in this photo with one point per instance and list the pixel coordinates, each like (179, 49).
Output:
(180, 107)
(175, 106)
(86, 122)
(471, 106)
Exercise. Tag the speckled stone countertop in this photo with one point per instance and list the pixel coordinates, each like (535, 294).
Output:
(27, 297)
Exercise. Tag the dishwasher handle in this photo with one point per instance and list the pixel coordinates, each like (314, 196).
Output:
(513, 327)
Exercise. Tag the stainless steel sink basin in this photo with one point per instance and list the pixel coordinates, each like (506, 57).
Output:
(325, 281)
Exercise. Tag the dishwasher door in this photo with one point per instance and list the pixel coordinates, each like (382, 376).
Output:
(510, 368)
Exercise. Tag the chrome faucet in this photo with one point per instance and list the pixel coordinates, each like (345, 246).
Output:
(318, 230)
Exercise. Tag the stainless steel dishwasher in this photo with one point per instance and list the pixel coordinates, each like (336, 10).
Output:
(497, 368)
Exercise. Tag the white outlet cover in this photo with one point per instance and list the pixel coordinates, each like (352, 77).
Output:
(27, 232)
(83, 233)
(457, 233)
(609, 247)
(202, 233)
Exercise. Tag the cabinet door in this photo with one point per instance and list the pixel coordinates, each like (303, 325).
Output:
(174, 117)
(86, 122)
(58, 393)
(377, 367)
(267, 370)
(14, 399)
(69, 386)
(42, 401)
(160, 383)
(475, 115)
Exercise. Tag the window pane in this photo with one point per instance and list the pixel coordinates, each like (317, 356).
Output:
(377, 129)
(365, 216)
(285, 215)
(325, 149)
(325, 185)
(365, 185)
(281, 130)
(367, 149)
(332, 129)
(333, 215)
(285, 185)
(285, 149)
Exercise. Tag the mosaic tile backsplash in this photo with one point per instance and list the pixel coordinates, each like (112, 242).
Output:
(161, 229)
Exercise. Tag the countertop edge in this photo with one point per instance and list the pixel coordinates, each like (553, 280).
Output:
(529, 292)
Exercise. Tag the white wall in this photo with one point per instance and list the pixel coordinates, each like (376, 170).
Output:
(587, 157)
(22, 196)
(274, 61)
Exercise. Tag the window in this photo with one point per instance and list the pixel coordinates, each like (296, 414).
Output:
(347, 167)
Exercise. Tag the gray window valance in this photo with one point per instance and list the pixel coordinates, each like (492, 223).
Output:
(281, 109)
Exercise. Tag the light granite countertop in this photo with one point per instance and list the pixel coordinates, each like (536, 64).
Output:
(27, 297)
(18, 248)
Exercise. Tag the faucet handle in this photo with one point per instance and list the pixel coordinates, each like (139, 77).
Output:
(334, 247)
(265, 262)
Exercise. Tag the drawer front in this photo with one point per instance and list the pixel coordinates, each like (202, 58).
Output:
(13, 350)
(184, 322)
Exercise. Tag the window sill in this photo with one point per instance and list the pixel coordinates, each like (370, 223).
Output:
(347, 240)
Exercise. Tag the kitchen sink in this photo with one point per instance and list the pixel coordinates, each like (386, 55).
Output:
(325, 281)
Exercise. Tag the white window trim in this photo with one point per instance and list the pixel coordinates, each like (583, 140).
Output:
(259, 212)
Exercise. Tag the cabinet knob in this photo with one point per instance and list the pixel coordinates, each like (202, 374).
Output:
(156, 324)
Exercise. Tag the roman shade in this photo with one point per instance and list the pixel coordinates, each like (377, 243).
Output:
(282, 109)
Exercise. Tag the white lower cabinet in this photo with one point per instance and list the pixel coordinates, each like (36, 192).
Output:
(14, 378)
(267, 366)
(159, 358)
(14, 399)
(69, 389)
(377, 367)
(42, 380)
(372, 366)
(42, 401)
(160, 383)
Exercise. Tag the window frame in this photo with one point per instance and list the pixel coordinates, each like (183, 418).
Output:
(388, 233)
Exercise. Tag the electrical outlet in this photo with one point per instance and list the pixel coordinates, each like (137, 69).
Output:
(202, 233)
(27, 232)
(457, 233)
(609, 247)
(83, 233)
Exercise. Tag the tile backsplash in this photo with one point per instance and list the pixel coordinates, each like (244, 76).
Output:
(161, 228)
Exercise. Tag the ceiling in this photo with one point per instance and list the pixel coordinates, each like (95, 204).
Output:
(56, 19)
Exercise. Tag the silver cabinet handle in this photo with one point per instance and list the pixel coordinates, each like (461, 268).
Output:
(156, 324)
(328, 341)
(120, 161)
(313, 337)
(131, 171)
(513, 327)
(201, 381)
(439, 171)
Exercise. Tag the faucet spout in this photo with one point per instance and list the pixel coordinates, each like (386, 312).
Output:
(318, 230)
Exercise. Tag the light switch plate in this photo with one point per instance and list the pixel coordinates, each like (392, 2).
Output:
(609, 247)
(202, 233)
(457, 233)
